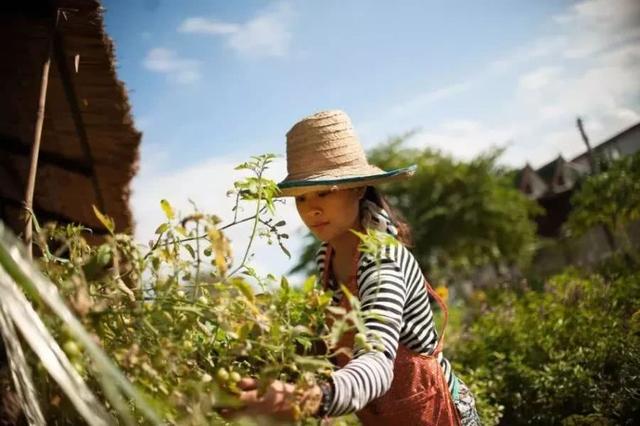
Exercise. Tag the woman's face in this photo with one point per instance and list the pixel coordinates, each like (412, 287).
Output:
(329, 214)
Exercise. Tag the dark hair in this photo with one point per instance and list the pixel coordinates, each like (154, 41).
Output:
(404, 230)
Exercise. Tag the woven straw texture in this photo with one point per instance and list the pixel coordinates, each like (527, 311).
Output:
(325, 145)
(325, 148)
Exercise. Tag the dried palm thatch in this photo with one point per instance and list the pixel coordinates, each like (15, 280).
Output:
(19, 276)
(89, 146)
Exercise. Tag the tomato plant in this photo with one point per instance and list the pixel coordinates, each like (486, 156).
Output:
(180, 318)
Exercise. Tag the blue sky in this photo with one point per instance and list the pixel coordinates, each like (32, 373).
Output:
(214, 82)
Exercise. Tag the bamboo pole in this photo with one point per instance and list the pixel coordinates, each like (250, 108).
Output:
(590, 154)
(595, 169)
(35, 148)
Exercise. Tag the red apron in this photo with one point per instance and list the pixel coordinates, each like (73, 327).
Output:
(419, 394)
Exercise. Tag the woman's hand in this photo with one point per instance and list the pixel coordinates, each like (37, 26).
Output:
(276, 402)
(279, 400)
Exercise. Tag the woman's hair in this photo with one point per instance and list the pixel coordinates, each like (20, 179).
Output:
(404, 230)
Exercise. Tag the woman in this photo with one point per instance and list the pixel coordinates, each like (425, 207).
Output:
(398, 374)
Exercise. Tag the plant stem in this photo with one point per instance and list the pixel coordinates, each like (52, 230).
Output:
(204, 236)
(197, 285)
(255, 224)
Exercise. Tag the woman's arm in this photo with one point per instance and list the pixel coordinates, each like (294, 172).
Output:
(368, 375)
(382, 292)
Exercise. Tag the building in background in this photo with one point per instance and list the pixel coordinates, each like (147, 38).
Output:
(553, 184)
(89, 145)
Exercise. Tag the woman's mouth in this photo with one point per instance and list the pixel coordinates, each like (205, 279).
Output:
(319, 225)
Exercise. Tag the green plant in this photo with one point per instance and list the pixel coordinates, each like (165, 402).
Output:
(564, 355)
(610, 199)
(179, 318)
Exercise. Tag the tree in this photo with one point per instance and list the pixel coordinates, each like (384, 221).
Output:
(610, 199)
(464, 214)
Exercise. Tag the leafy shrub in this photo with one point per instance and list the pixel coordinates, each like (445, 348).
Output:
(567, 355)
(610, 199)
(180, 319)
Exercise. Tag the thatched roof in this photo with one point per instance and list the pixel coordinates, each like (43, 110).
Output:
(89, 145)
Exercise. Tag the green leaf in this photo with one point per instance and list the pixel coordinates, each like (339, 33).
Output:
(104, 219)
(190, 250)
(309, 284)
(162, 228)
(284, 284)
(245, 289)
(285, 250)
(168, 210)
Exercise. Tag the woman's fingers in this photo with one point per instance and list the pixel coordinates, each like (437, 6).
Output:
(249, 397)
(248, 383)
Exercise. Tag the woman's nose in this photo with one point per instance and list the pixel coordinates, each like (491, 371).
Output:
(315, 212)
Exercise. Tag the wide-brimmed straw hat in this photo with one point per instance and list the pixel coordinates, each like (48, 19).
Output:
(324, 153)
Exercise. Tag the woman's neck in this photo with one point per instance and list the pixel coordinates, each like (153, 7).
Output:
(344, 245)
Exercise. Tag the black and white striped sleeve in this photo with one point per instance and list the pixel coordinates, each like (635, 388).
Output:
(382, 294)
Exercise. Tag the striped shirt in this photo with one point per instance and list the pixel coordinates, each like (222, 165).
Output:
(398, 297)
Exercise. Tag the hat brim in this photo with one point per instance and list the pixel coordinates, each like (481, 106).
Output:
(293, 188)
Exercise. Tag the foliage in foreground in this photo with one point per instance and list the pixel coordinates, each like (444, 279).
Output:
(568, 355)
(180, 319)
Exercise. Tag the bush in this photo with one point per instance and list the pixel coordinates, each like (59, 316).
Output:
(567, 355)
(179, 318)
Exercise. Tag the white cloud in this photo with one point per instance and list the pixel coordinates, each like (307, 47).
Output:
(538, 49)
(538, 79)
(604, 16)
(168, 62)
(586, 65)
(464, 139)
(207, 26)
(422, 100)
(206, 183)
(266, 34)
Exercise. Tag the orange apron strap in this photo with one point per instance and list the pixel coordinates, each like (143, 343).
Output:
(445, 311)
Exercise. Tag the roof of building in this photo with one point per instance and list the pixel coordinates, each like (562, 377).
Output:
(549, 171)
(89, 147)
(615, 138)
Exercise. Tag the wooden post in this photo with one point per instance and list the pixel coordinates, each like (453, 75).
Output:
(35, 148)
(592, 159)
(608, 233)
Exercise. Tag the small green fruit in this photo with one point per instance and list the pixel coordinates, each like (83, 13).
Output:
(71, 348)
(360, 340)
(222, 375)
(235, 377)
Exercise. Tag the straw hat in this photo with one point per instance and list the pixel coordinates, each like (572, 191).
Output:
(324, 153)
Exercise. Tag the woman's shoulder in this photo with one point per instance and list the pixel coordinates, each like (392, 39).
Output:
(386, 249)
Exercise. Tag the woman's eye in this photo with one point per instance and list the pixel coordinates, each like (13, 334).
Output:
(299, 199)
(322, 194)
